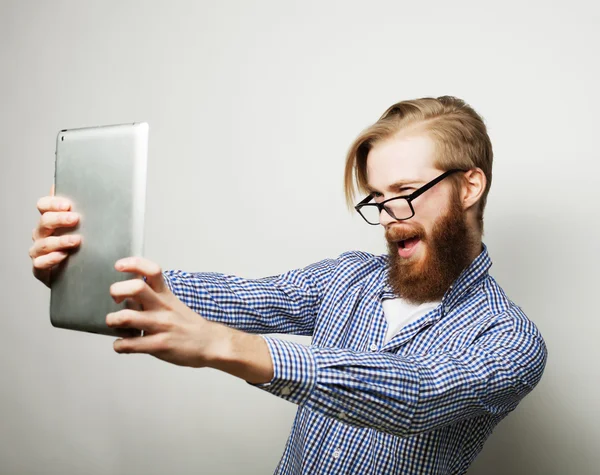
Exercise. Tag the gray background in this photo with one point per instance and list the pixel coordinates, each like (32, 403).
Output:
(252, 106)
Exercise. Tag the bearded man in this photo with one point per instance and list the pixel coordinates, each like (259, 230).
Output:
(415, 355)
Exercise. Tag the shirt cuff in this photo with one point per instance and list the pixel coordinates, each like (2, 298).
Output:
(294, 371)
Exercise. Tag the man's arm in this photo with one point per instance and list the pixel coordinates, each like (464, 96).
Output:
(286, 303)
(400, 395)
(242, 354)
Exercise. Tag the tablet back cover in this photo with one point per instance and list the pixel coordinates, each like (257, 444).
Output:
(102, 171)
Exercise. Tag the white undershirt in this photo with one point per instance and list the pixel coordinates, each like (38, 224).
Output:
(399, 313)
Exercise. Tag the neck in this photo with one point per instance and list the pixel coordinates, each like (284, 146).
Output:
(477, 249)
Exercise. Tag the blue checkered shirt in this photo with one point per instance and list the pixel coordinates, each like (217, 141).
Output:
(423, 403)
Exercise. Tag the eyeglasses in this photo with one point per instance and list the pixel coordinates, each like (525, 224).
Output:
(400, 207)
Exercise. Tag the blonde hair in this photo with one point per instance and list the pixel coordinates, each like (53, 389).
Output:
(459, 133)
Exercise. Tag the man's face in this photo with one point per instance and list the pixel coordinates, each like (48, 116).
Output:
(440, 244)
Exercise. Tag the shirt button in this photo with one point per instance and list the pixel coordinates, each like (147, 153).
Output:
(337, 453)
(286, 391)
(342, 415)
(373, 347)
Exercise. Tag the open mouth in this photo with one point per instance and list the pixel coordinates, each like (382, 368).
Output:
(408, 243)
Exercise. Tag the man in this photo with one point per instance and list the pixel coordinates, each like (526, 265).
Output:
(415, 356)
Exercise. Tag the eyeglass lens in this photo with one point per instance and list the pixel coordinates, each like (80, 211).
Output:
(399, 208)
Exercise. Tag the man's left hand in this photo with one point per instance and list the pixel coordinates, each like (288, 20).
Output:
(172, 331)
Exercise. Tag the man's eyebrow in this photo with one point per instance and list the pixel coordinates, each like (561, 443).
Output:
(394, 186)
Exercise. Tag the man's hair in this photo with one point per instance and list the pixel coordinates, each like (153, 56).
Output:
(459, 133)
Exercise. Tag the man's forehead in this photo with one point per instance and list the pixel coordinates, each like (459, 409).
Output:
(400, 161)
(396, 175)
(396, 184)
(394, 180)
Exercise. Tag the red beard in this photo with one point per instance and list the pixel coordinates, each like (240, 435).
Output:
(443, 255)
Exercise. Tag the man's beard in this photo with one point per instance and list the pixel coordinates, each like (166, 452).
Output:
(444, 254)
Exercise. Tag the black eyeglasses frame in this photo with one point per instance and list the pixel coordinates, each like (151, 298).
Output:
(409, 198)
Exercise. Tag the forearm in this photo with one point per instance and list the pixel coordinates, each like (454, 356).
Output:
(401, 395)
(280, 304)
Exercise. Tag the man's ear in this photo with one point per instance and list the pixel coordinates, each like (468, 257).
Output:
(472, 187)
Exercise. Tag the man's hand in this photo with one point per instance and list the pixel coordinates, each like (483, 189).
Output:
(175, 333)
(49, 250)
(172, 331)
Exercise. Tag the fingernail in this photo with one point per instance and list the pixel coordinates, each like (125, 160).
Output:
(72, 239)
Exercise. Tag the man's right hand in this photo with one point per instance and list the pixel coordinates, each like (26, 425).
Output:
(49, 250)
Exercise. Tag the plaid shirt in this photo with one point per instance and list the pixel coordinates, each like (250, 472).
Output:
(423, 403)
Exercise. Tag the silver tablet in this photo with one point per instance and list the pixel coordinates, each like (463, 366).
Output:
(102, 171)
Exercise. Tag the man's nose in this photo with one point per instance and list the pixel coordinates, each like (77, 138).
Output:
(385, 218)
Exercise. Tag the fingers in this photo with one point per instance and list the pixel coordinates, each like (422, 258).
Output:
(50, 244)
(129, 318)
(48, 261)
(137, 290)
(53, 203)
(47, 252)
(151, 344)
(50, 221)
(142, 266)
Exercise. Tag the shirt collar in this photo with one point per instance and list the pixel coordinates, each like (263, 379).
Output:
(469, 277)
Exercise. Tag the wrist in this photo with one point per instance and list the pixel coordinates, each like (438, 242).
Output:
(241, 354)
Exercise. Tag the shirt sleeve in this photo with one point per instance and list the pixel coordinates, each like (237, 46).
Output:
(285, 303)
(406, 396)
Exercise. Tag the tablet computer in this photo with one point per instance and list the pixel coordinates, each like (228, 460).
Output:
(102, 171)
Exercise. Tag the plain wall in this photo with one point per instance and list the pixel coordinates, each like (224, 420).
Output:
(252, 107)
